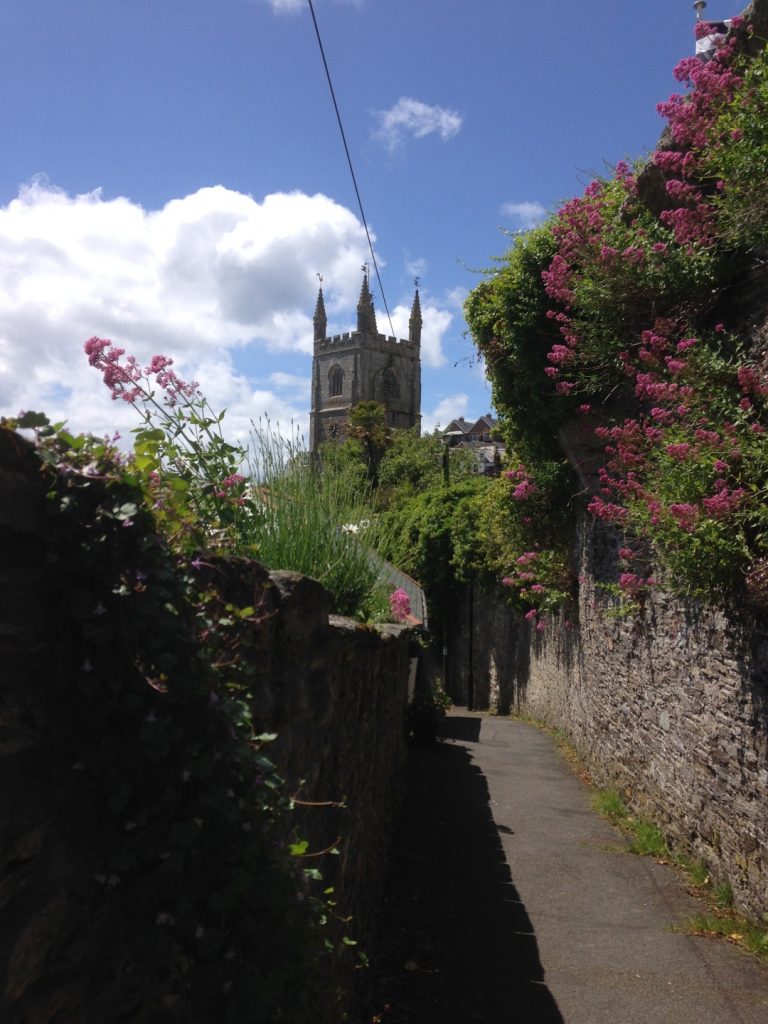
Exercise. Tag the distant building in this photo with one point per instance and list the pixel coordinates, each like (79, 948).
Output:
(480, 437)
(364, 365)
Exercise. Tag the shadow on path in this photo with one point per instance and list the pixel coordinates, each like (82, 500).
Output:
(457, 945)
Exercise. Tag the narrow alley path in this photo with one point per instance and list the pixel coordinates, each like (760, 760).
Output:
(511, 902)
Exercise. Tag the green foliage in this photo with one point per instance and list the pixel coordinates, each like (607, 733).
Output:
(608, 804)
(507, 316)
(421, 537)
(722, 894)
(315, 516)
(368, 425)
(752, 936)
(413, 464)
(189, 858)
(646, 839)
(736, 159)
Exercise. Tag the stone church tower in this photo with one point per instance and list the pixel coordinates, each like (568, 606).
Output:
(363, 366)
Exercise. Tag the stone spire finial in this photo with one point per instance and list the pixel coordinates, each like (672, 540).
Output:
(320, 319)
(366, 314)
(415, 323)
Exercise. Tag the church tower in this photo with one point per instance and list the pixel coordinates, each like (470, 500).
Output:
(364, 365)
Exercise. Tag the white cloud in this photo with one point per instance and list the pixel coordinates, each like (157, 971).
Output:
(526, 214)
(209, 279)
(292, 383)
(294, 6)
(286, 6)
(449, 409)
(412, 117)
(415, 267)
(436, 323)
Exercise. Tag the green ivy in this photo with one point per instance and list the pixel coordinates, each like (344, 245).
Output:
(190, 858)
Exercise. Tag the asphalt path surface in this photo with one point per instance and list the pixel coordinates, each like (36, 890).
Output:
(511, 902)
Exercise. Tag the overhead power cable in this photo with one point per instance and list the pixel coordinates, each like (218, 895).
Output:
(349, 162)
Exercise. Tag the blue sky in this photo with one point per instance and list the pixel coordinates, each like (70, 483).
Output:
(173, 177)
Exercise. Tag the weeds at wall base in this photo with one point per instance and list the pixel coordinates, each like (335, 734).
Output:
(647, 840)
(720, 920)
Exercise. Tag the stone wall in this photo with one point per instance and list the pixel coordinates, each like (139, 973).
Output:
(335, 693)
(669, 705)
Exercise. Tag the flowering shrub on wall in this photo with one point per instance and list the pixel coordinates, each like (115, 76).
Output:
(632, 281)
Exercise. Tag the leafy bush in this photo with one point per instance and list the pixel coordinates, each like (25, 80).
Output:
(627, 278)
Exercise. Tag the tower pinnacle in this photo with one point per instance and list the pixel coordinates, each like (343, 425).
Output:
(366, 314)
(416, 321)
(320, 320)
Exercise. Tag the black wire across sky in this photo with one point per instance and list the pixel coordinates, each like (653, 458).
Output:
(349, 162)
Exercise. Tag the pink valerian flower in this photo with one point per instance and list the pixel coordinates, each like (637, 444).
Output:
(680, 452)
(232, 481)
(606, 511)
(524, 490)
(540, 626)
(564, 387)
(685, 344)
(724, 502)
(626, 553)
(527, 557)
(124, 379)
(400, 605)
(751, 382)
(531, 615)
(558, 279)
(707, 436)
(685, 515)
(560, 354)
(633, 585)
(158, 364)
(584, 409)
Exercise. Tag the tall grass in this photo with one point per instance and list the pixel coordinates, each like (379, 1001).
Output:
(314, 518)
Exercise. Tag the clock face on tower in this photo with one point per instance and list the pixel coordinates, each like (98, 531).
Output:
(332, 429)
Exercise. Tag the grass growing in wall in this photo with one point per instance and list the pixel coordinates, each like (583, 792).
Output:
(315, 519)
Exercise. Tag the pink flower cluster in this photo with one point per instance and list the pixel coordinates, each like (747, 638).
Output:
(125, 379)
(632, 584)
(399, 605)
(524, 486)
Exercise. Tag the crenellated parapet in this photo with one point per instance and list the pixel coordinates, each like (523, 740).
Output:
(359, 338)
(364, 365)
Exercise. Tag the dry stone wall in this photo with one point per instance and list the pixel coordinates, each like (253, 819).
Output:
(670, 705)
(335, 693)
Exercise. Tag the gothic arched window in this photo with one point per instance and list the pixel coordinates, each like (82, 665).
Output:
(391, 384)
(335, 382)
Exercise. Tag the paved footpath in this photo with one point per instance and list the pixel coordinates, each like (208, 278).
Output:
(513, 903)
